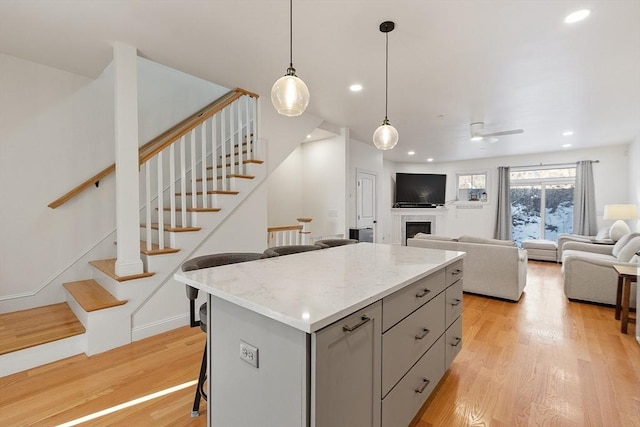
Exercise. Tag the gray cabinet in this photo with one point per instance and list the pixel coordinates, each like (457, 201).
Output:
(346, 370)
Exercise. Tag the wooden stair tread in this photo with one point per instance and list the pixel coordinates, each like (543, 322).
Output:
(228, 165)
(194, 209)
(108, 267)
(29, 328)
(231, 175)
(155, 249)
(91, 296)
(167, 227)
(199, 193)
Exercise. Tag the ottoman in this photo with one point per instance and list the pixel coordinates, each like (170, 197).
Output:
(541, 250)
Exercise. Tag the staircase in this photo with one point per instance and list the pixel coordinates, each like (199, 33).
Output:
(193, 177)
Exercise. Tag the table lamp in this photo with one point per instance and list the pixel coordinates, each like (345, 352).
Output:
(620, 213)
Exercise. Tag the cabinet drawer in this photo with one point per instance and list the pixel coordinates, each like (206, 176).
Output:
(454, 302)
(407, 341)
(454, 341)
(400, 304)
(405, 400)
(454, 272)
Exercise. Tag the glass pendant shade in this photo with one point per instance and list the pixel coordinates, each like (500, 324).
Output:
(290, 95)
(385, 137)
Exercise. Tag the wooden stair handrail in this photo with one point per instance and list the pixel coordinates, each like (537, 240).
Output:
(161, 141)
(284, 228)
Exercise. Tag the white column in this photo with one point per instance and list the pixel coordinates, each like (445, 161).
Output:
(127, 190)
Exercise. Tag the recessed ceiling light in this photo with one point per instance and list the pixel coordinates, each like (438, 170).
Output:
(566, 145)
(567, 133)
(476, 138)
(577, 16)
(309, 136)
(411, 153)
(355, 87)
(430, 159)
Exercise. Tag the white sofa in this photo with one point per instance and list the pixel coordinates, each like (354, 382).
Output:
(588, 269)
(492, 267)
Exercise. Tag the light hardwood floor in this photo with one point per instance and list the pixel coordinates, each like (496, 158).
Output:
(542, 361)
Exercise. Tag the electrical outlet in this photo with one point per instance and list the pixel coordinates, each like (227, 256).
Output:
(249, 353)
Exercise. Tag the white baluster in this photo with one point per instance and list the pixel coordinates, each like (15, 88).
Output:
(214, 152)
(238, 167)
(247, 135)
(183, 183)
(232, 144)
(203, 161)
(223, 145)
(254, 129)
(194, 192)
(160, 203)
(172, 184)
(147, 188)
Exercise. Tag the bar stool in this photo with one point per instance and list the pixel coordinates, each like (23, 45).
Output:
(330, 243)
(208, 261)
(288, 250)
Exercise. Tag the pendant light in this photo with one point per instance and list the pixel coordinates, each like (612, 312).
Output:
(289, 94)
(386, 136)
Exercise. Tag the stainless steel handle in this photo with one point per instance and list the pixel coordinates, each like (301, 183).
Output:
(424, 333)
(456, 272)
(458, 341)
(364, 319)
(456, 302)
(424, 385)
(423, 293)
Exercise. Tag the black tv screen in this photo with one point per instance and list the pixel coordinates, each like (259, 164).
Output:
(420, 189)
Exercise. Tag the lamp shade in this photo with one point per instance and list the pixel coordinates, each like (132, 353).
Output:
(620, 212)
(290, 95)
(385, 137)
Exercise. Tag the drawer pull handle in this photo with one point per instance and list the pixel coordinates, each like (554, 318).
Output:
(456, 272)
(424, 385)
(456, 302)
(364, 319)
(423, 293)
(457, 342)
(424, 333)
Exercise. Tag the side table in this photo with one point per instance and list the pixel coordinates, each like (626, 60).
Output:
(626, 276)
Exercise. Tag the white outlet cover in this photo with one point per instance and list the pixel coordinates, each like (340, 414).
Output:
(249, 353)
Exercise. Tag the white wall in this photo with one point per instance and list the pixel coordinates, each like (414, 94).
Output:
(285, 191)
(323, 195)
(611, 177)
(366, 158)
(311, 183)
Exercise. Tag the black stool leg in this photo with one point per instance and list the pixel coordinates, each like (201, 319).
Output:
(200, 386)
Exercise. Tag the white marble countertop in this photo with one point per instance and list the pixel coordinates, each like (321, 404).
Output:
(311, 290)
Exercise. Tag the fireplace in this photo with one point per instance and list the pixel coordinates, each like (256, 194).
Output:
(414, 227)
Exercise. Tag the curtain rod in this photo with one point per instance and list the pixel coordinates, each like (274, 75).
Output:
(550, 164)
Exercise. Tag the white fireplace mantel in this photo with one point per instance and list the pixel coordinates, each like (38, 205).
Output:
(400, 217)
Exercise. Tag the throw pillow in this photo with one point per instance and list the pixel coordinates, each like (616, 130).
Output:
(471, 239)
(603, 234)
(622, 242)
(629, 250)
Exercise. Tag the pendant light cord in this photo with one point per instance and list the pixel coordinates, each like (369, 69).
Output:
(386, 76)
(291, 33)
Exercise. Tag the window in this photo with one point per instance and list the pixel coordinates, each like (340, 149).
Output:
(471, 187)
(542, 202)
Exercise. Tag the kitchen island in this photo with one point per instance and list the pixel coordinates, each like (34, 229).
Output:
(357, 335)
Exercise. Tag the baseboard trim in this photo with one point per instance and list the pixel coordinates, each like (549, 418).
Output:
(158, 327)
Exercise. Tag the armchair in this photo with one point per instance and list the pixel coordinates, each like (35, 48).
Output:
(603, 234)
(588, 269)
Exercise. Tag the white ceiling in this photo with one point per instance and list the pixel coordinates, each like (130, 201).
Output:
(509, 63)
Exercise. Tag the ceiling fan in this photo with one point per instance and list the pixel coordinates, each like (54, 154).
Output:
(478, 133)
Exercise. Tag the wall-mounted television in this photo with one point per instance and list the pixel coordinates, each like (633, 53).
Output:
(420, 190)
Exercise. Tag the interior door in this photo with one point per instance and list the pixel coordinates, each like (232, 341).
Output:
(365, 199)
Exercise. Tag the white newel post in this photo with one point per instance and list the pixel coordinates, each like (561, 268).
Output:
(126, 131)
(305, 234)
